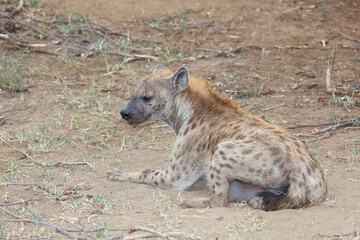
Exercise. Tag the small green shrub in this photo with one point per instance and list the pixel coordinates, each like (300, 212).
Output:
(12, 72)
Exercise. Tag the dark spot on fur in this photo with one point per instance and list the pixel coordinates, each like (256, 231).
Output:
(282, 138)
(240, 137)
(282, 165)
(277, 161)
(254, 124)
(232, 160)
(308, 170)
(189, 147)
(201, 121)
(178, 176)
(218, 184)
(249, 141)
(166, 171)
(162, 180)
(251, 170)
(156, 183)
(221, 153)
(216, 170)
(157, 173)
(186, 130)
(212, 176)
(193, 125)
(313, 166)
(173, 167)
(228, 166)
(247, 151)
(274, 151)
(229, 146)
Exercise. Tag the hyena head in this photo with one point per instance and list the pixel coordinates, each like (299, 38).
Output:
(153, 99)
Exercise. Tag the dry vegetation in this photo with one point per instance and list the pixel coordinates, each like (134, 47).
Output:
(68, 67)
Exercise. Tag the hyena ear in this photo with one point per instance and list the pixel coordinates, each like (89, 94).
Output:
(159, 68)
(180, 79)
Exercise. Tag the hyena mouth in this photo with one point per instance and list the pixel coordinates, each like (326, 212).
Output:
(134, 121)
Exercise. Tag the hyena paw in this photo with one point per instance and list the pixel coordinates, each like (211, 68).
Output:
(256, 202)
(117, 175)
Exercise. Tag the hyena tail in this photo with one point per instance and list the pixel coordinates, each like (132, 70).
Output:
(285, 197)
(295, 193)
(274, 202)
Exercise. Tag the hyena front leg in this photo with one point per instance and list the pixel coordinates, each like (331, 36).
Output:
(218, 180)
(170, 177)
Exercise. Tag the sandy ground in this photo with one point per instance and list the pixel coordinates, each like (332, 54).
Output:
(268, 56)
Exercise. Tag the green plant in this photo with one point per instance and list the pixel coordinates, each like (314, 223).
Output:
(345, 101)
(286, 89)
(252, 92)
(323, 13)
(12, 72)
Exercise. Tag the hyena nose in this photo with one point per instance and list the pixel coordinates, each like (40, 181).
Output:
(126, 113)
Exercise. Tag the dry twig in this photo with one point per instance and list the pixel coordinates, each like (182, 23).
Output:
(271, 108)
(329, 87)
(47, 225)
(328, 130)
(151, 233)
(70, 164)
(16, 183)
(344, 35)
(82, 230)
(20, 202)
(23, 152)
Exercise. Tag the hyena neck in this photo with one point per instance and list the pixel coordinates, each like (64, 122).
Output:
(180, 112)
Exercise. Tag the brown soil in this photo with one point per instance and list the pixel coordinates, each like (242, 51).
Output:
(71, 114)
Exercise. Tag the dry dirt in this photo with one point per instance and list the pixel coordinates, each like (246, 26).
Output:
(262, 54)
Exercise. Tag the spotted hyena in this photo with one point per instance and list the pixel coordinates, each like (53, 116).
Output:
(241, 157)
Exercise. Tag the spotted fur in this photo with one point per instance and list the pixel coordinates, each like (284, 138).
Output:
(242, 157)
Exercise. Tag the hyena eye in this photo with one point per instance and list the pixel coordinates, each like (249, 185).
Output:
(146, 98)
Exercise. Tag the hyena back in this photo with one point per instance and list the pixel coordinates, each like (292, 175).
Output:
(242, 157)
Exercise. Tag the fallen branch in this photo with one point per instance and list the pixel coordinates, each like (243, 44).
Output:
(20, 151)
(31, 212)
(151, 233)
(20, 44)
(328, 130)
(344, 35)
(70, 164)
(82, 230)
(138, 56)
(20, 202)
(271, 108)
(2, 119)
(56, 229)
(16, 183)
